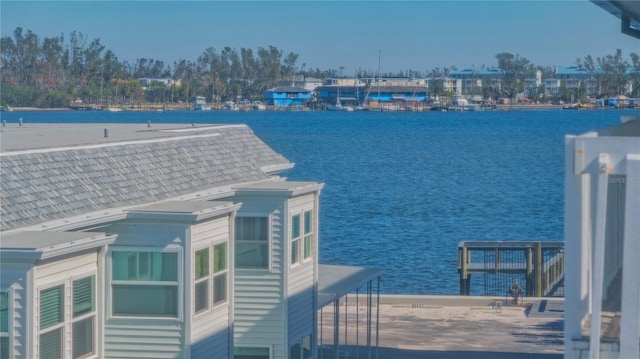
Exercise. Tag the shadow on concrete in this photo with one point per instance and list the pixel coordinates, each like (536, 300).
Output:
(393, 353)
(546, 334)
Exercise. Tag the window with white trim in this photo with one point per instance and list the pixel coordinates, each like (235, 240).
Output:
(252, 242)
(301, 237)
(4, 324)
(202, 277)
(144, 284)
(220, 273)
(206, 278)
(53, 322)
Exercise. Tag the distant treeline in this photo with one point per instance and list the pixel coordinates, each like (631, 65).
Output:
(52, 71)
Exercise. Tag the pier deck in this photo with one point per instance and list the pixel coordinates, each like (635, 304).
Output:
(538, 266)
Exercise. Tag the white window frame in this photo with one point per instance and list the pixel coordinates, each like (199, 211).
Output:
(269, 241)
(66, 325)
(302, 237)
(211, 276)
(180, 282)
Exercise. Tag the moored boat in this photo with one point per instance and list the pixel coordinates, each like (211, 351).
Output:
(339, 107)
(258, 105)
(201, 104)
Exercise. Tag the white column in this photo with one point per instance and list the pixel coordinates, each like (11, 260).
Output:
(598, 255)
(630, 315)
(576, 263)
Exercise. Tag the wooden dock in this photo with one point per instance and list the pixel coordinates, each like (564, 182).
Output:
(538, 265)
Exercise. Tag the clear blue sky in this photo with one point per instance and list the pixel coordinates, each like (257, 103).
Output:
(417, 35)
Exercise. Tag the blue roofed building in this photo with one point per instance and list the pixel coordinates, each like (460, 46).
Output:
(572, 72)
(387, 92)
(286, 96)
(575, 77)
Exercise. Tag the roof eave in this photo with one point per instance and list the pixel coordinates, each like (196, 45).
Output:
(277, 168)
(56, 250)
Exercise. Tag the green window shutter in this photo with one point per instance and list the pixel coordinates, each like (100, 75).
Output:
(4, 312)
(83, 296)
(51, 306)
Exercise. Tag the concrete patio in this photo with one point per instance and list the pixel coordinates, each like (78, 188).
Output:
(449, 327)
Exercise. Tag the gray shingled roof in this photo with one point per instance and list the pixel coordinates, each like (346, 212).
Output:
(48, 184)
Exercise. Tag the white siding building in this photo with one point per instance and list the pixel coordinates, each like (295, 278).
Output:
(169, 278)
(551, 86)
(169, 242)
(50, 300)
(602, 235)
(277, 316)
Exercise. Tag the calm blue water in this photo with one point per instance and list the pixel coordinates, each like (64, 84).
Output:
(403, 189)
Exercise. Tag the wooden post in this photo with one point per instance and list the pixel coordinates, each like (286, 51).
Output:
(538, 269)
(467, 284)
(464, 286)
(529, 259)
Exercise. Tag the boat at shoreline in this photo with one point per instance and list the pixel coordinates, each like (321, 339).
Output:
(339, 107)
(201, 104)
(258, 106)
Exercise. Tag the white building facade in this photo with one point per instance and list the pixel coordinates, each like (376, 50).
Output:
(168, 242)
(602, 241)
